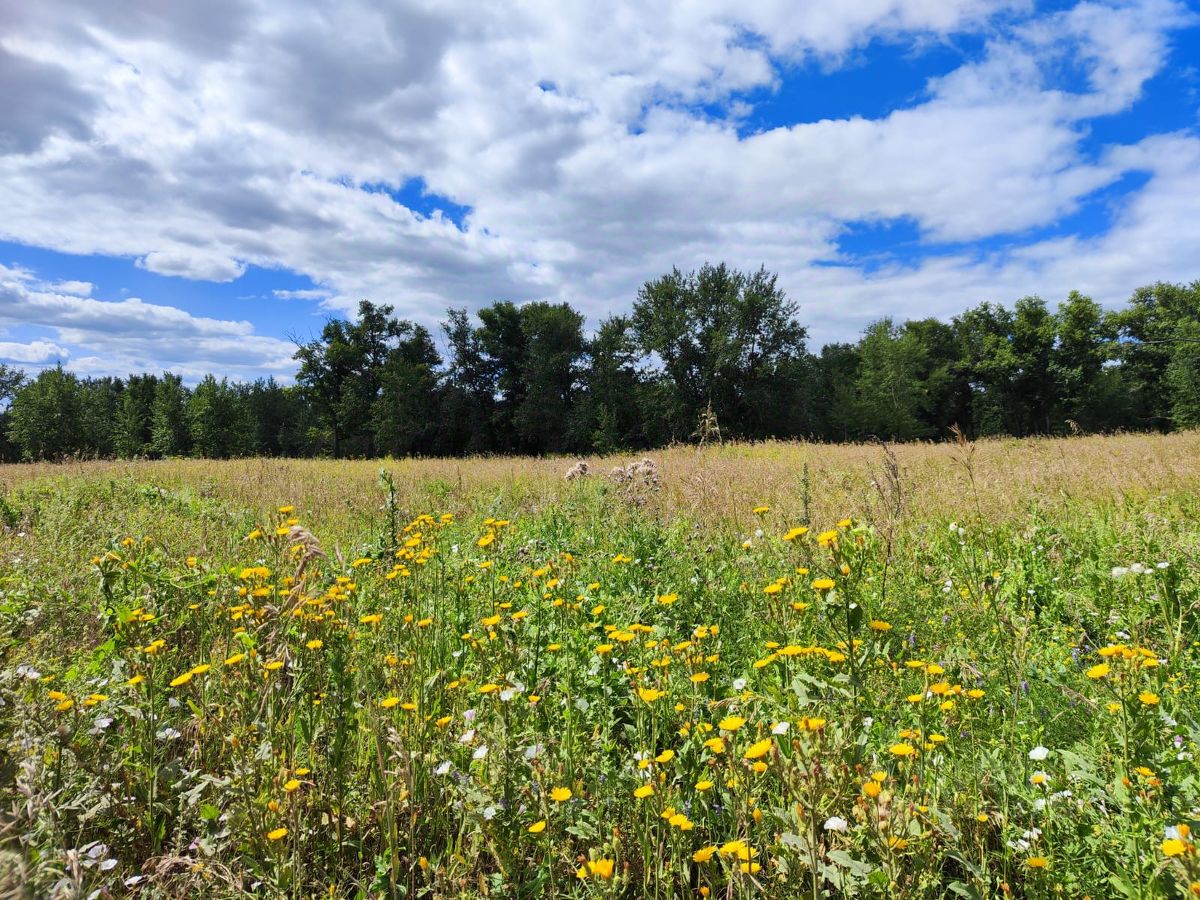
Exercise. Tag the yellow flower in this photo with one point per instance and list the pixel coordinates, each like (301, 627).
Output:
(274, 665)
(715, 745)
(372, 619)
(1098, 671)
(759, 749)
(644, 791)
(315, 644)
(180, 680)
(901, 750)
(235, 659)
(597, 868)
(704, 854)
(277, 835)
(487, 539)
(822, 584)
(699, 678)
(871, 789)
(880, 625)
(136, 680)
(665, 757)
(731, 723)
(795, 533)
(561, 794)
(64, 705)
(1173, 847)
(1148, 698)
(389, 702)
(292, 785)
(827, 538)
(537, 827)
(1037, 862)
(737, 848)
(648, 695)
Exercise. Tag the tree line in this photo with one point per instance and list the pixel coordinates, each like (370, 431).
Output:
(713, 351)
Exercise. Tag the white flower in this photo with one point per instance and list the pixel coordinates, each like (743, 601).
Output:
(468, 736)
(507, 694)
(443, 769)
(836, 823)
(1163, 564)
(489, 813)
(780, 727)
(1038, 753)
(480, 752)
(739, 684)
(1120, 571)
(469, 715)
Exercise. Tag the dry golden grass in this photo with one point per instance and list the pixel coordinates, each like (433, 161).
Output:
(717, 484)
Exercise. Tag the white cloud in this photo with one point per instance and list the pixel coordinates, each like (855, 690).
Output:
(313, 294)
(122, 336)
(198, 145)
(32, 352)
(75, 288)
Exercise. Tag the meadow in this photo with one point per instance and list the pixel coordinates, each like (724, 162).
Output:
(774, 670)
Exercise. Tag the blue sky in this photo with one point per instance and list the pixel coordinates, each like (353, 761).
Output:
(190, 193)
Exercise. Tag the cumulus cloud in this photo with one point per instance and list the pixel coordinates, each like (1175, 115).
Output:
(592, 146)
(116, 337)
(32, 352)
(75, 288)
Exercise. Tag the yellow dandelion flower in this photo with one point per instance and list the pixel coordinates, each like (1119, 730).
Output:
(759, 749)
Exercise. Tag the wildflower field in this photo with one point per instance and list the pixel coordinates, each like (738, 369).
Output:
(781, 670)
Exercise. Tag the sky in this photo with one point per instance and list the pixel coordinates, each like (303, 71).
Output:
(194, 187)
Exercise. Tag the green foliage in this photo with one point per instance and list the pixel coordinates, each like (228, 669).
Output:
(45, 418)
(705, 353)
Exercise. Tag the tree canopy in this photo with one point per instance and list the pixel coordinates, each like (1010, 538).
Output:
(716, 346)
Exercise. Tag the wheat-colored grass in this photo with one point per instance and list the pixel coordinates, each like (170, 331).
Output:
(996, 479)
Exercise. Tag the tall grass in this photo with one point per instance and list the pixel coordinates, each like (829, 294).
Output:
(780, 670)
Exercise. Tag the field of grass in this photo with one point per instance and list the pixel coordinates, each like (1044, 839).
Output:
(781, 670)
